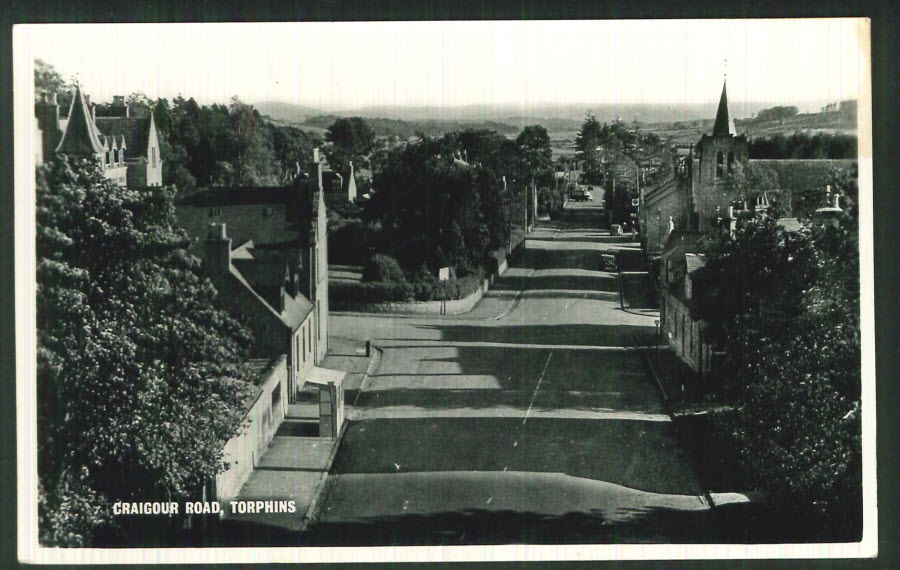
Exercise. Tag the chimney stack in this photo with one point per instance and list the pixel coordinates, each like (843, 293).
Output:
(217, 260)
(316, 155)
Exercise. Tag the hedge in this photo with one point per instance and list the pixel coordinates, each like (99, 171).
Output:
(403, 292)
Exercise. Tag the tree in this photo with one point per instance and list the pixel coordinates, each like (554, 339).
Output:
(436, 212)
(249, 146)
(48, 81)
(46, 78)
(535, 154)
(139, 105)
(292, 146)
(138, 377)
(352, 140)
(785, 308)
(587, 140)
(776, 113)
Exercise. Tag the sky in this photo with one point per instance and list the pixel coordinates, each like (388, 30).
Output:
(346, 65)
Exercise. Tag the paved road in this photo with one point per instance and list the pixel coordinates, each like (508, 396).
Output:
(530, 410)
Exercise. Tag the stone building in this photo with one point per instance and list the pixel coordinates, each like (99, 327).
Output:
(697, 194)
(266, 250)
(127, 147)
(684, 333)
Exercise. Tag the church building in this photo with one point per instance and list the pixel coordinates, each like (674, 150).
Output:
(127, 147)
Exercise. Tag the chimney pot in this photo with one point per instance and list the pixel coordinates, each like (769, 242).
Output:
(217, 231)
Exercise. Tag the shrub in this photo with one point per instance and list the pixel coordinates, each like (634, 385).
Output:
(423, 282)
(342, 292)
(383, 268)
(353, 242)
(454, 289)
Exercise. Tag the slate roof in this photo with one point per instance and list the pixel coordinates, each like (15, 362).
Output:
(790, 225)
(134, 130)
(80, 136)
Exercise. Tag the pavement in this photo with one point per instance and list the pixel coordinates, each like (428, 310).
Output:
(294, 464)
(535, 406)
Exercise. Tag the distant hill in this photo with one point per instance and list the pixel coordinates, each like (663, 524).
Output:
(509, 119)
(286, 112)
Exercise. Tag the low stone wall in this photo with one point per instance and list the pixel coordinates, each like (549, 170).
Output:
(265, 415)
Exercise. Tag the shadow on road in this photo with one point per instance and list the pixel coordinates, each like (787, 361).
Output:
(623, 452)
(738, 523)
(572, 334)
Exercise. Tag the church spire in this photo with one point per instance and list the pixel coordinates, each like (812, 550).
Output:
(80, 137)
(723, 125)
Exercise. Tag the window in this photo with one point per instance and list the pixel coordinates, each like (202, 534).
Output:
(730, 160)
(153, 157)
(303, 346)
(267, 212)
(276, 396)
(720, 159)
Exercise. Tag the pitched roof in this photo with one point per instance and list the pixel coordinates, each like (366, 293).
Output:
(790, 225)
(680, 242)
(241, 195)
(134, 130)
(723, 125)
(80, 136)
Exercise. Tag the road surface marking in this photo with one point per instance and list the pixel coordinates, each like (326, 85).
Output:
(536, 388)
(415, 412)
(425, 343)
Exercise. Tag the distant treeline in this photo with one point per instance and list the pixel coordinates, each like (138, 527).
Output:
(400, 129)
(804, 146)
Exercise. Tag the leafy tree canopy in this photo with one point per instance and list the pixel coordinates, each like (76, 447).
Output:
(137, 374)
(352, 140)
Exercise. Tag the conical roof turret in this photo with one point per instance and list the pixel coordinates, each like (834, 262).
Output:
(80, 137)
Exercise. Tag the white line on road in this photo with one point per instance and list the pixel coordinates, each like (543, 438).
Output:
(413, 412)
(443, 343)
(537, 387)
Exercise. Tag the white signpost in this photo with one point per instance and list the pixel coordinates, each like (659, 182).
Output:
(444, 274)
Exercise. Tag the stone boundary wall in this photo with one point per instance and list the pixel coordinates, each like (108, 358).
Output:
(244, 450)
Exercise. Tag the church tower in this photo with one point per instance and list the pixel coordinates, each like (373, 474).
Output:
(719, 154)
